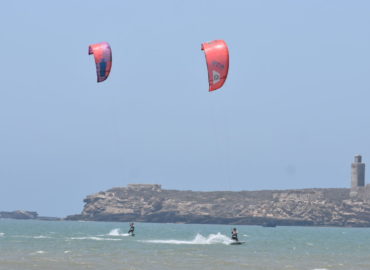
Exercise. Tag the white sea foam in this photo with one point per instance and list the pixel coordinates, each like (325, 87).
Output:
(67, 251)
(40, 237)
(38, 252)
(198, 240)
(2, 234)
(95, 238)
(117, 232)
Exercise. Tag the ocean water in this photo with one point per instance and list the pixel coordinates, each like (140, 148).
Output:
(30, 244)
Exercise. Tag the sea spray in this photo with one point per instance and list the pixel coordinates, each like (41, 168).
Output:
(117, 232)
(198, 240)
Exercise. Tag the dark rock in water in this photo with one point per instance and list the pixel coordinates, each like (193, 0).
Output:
(151, 203)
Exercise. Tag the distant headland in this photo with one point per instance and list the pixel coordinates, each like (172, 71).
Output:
(151, 203)
(308, 207)
(341, 207)
(22, 214)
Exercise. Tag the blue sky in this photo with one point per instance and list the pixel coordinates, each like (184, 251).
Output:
(292, 114)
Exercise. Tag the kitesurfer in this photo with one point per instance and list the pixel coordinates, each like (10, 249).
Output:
(234, 234)
(132, 228)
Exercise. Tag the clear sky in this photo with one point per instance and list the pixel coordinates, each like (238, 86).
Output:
(292, 113)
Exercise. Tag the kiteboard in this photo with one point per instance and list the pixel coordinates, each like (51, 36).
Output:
(237, 243)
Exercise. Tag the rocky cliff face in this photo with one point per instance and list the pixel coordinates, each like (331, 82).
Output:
(151, 203)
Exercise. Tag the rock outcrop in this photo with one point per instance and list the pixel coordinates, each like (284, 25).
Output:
(151, 203)
(22, 214)
(19, 214)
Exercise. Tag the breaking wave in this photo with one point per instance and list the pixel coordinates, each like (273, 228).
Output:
(198, 240)
(2, 234)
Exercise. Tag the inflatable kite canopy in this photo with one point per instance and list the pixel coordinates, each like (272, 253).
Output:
(217, 57)
(103, 59)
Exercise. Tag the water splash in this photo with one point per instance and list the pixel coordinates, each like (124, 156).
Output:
(117, 232)
(198, 240)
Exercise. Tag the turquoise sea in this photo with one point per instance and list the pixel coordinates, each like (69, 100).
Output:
(30, 244)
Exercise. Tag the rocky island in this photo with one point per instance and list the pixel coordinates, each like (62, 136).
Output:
(23, 214)
(308, 207)
(19, 214)
(151, 203)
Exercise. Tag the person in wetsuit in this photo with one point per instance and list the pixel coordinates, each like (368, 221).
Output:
(234, 234)
(132, 228)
